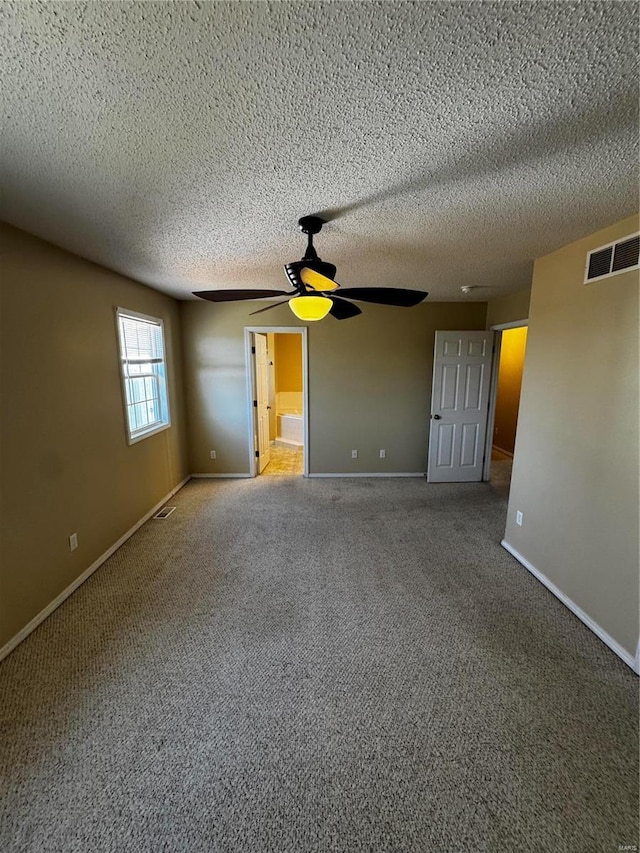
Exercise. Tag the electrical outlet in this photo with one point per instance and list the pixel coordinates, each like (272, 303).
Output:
(212, 454)
(354, 454)
(519, 518)
(383, 454)
(73, 541)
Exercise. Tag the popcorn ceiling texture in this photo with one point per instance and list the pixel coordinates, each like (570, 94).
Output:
(179, 142)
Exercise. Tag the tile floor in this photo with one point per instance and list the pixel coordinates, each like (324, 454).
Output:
(286, 460)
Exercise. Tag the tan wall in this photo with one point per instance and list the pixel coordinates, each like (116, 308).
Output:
(369, 384)
(575, 474)
(512, 351)
(508, 308)
(65, 466)
(288, 362)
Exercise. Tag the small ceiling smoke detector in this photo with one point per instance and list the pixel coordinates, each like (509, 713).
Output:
(467, 288)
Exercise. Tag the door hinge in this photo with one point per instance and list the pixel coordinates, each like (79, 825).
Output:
(255, 404)
(257, 454)
(253, 350)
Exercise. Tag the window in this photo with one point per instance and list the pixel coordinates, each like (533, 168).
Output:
(144, 373)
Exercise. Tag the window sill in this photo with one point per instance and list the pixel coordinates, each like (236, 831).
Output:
(147, 434)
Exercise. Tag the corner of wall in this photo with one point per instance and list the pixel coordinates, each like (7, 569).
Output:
(508, 308)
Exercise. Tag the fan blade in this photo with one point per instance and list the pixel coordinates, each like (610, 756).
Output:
(342, 310)
(268, 308)
(233, 295)
(317, 281)
(385, 295)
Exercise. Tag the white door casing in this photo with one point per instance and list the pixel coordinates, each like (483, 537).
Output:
(262, 398)
(252, 410)
(459, 406)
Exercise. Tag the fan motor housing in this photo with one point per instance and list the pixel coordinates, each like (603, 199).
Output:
(293, 269)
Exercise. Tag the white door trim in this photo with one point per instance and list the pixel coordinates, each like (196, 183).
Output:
(249, 331)
(514, 324)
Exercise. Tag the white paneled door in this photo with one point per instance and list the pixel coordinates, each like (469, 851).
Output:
(459, 406)
(262, 401)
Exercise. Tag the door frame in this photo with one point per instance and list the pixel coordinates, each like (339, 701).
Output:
(498, 329)
(249, 331)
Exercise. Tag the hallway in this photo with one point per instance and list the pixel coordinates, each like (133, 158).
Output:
(500, 475)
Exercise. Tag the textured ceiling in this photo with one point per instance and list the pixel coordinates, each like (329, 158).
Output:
(454, 142)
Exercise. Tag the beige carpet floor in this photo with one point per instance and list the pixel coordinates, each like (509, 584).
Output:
(288, 665)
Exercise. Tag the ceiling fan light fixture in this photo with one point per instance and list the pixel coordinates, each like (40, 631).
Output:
(310, 308)
(312, 280)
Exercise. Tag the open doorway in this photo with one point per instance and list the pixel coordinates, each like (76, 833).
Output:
(278, 400)
(511, 344)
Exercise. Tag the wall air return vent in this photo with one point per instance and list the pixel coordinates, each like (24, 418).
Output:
(613, 259)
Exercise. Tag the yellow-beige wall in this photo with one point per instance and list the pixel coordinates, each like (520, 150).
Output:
(575, 472)
(508, 308)
(65, 465)
(512, 352)
(369, 384)
(288, 362)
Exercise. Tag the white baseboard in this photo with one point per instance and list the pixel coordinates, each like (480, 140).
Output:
(57, 601)
(624, 655)
(342, 474)
(222, 476)
(376, 474)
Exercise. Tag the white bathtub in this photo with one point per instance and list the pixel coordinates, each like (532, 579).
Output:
(289, 427)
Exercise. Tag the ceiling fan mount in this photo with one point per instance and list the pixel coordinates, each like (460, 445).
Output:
(314, 287)
(310, 224)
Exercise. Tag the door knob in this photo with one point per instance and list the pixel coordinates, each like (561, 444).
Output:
(436, 417)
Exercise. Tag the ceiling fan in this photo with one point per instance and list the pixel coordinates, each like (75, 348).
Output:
(315, 292)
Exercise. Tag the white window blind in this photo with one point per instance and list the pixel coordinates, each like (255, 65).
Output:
(143, 370)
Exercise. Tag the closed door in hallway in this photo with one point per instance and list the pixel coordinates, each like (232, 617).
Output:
(459, 406)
